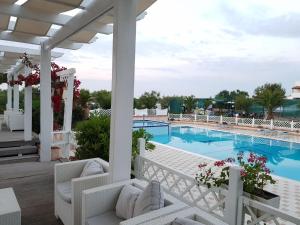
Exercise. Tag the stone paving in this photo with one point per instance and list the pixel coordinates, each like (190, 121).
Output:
(187, 163)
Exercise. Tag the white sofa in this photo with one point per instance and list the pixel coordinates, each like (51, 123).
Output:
(68, 187)
(194, 214)
(98, 205)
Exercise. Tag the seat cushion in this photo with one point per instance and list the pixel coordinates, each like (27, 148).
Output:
(108, 218)
(64, 189)
(92, 167)
(185, 221)
(126, 201)
(152, 198)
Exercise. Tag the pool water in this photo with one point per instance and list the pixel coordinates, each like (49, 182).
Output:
(283, 157)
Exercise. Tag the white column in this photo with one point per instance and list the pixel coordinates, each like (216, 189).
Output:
(27, 108)
(68, 77)
(16, 95)
(46, 109)
(9, 94)
(122, 89)
(235, 190)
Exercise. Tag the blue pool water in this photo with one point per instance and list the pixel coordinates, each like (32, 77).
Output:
(283, 157)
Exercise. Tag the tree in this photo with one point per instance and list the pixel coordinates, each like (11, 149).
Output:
(270, 96)
(166, 100)
(148, 100)
(84, 97)
(103, 98)
(243, 102)
(223, 96)
(207, 103)
(190, 103)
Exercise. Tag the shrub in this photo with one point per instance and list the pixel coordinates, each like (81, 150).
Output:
(141, 133)
(93, 138)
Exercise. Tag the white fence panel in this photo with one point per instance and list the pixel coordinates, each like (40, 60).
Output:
(252, 212)
(214, 119)
(229, 120)
(201, 118)
(282, 124)
(183, 186)
(188, 116)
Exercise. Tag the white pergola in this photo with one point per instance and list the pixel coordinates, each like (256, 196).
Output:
(46, 23)
(10, 61)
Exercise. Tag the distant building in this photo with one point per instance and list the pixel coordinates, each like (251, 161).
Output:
(295, 91)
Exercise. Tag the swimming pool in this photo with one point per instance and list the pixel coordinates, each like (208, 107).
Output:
(283, 157)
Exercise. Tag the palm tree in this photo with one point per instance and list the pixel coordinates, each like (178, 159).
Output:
(190, 103)
(270, 96)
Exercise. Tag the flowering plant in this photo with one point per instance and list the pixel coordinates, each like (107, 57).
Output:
(254, 173)
(57, 86)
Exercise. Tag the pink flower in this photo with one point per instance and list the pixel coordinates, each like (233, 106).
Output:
(267, 170)
(219, 163)
(243, 173)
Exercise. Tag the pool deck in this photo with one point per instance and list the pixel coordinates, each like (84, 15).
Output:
(187, 163)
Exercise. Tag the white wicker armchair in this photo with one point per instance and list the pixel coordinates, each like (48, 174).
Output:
(98, 205)
(70, 211)
(189, 213)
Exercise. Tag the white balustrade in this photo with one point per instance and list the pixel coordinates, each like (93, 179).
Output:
(252, 122)
(247, 214)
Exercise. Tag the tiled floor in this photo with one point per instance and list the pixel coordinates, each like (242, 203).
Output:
(187, 163)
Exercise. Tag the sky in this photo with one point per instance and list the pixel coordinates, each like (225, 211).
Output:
(201, 47)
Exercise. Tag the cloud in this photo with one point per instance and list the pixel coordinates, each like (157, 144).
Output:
(258, 22)
(201, 47)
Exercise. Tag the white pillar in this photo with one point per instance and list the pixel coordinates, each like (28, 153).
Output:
(221, 119)
(272, 124)
(16, 95)
(27, 108)
(9, 94)
(292, 125)
(236, 119)
(253, 122)
(46, 109)
(122, 89)
(68, 77)
(235, 190)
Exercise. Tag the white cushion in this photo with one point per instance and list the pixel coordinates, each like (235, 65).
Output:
(108, 218)
(185, 221)
(64, 189)
(92, 167)
(126, 201)
(152, 198)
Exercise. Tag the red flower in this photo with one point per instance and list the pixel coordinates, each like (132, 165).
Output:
(219, 163)
(243, 173)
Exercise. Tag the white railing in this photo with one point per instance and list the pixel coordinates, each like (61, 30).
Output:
(250, 122)
(252, 212)
(183, 187)
(102, 112)
(228, 204)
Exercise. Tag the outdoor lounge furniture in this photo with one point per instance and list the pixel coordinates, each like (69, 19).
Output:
(68, 187)
(10, 212)
(193, 214)
(99, 204)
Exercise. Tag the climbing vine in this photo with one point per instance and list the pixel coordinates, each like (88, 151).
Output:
(57, 86)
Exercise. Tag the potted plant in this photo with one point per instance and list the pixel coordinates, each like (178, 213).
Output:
(254, 174)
